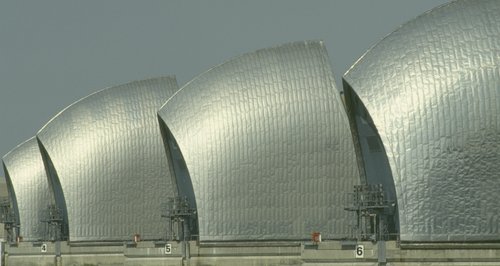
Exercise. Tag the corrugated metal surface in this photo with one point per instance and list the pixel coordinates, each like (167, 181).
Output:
(267, 145)
(108, 157)
(432, 88)
(26, 176)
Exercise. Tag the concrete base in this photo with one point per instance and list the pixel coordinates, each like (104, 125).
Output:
(334, 253)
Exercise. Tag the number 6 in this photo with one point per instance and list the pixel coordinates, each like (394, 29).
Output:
(360, 251)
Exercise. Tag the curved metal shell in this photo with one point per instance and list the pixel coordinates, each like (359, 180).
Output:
(28, 184)
(432, 89)
(106, 154)
(267, 146)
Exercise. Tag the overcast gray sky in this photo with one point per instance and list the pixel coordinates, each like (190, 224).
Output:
(53, 53)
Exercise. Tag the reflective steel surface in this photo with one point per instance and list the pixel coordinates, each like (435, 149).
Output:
(432, 88)
(108, 157)
(267, 145)
(25, 174)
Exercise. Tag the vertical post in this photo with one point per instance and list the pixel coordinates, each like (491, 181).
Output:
(382, 260)
(1, 253)
(183, 239)
(58, 258)
(381, 228)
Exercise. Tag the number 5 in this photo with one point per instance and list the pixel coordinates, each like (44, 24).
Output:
(168, 248)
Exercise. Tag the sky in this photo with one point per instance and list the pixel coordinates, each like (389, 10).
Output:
(53, 53)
